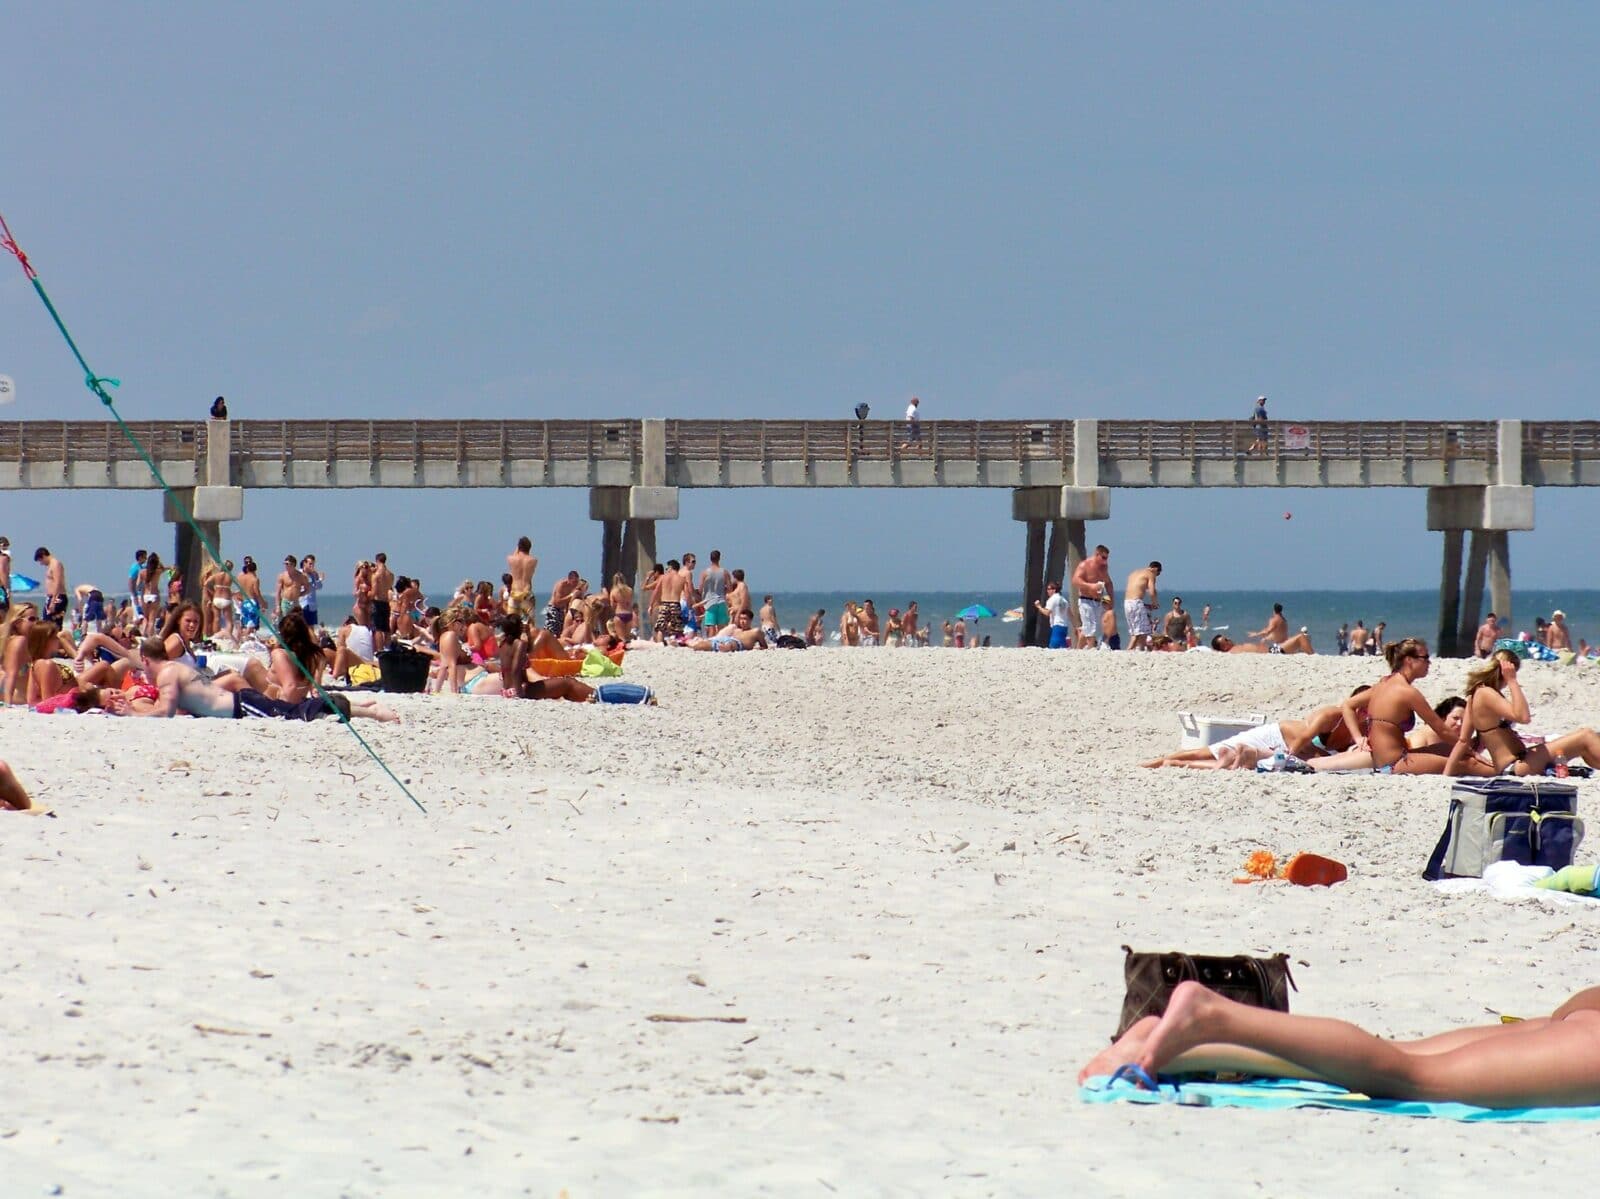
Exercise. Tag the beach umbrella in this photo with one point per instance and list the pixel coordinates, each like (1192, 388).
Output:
(976, 612)
(20, 584)
(1012, 615)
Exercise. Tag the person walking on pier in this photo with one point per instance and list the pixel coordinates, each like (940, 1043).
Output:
(913, 425)
(1091, 586)
(1258, 420)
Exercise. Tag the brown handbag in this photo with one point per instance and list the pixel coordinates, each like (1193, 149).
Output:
(1152, 977)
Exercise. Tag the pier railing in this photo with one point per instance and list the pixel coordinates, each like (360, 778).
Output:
(1557, 452)
(435, 440)
(842, 440)
(1348, 440)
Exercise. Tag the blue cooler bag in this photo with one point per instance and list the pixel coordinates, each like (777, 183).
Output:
(1530, 821)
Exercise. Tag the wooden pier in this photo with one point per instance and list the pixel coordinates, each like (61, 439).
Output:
(1480, 475)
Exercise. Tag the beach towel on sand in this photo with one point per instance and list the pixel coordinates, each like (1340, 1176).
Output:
(1274, 1094)
(1510, 880)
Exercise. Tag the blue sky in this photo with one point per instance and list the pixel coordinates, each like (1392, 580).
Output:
(505, 210)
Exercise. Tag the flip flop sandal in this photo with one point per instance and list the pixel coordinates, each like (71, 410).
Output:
(1142, 1081)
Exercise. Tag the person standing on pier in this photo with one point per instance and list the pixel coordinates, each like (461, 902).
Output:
(522, 564)
(1091, 585)
(1258, 419)
(913, 425)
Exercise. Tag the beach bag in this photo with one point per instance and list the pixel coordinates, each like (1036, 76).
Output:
(1530, 821)
(1152, 977)
(403, 670)
(789, 641)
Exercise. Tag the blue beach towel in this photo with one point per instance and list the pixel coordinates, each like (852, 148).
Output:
(1275, 1094)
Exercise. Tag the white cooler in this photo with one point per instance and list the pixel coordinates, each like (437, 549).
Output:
(1208, 730)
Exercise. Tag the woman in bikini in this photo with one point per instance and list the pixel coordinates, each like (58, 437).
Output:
(622, 622)
(148, 589)
(1495, 705)
(47, 675)
(1393, 706)
(221, 592)
(1551, 1061)
(14, 661)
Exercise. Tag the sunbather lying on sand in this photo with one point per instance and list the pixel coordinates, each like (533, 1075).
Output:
(1300, 643)
(1549, 1061)
(181, 689)
(1322, 731)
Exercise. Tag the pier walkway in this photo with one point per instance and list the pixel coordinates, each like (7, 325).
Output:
(1480, 475)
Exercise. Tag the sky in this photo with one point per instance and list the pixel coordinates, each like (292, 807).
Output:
(745, 211)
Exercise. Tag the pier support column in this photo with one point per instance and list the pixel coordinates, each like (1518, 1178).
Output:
(1500, 572)
(628, 534)
(213, 501)
(1450, 595)
(1065, 509)
(610, 553)
(1033, 584)
(1472, 591)
(1489, 514)
(210, 507)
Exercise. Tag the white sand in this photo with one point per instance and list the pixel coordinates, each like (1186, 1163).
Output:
(242, 963)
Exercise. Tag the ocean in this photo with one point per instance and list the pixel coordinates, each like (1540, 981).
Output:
(1404, 613)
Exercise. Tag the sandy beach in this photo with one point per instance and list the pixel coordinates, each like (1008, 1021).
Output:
(888, 887)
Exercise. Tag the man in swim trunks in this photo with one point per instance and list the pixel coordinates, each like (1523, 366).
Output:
(736, 637)
(555, 612)
(1139, 601)
(291, 586)
(55, 587)
(179, 688)
(1276, 631)
(521, 564)
(669, 602)
(714, 590)
(308, 601)
(1054, 609)
(250, 603)
(1091, 585)
(382, 590)
(1488, 634)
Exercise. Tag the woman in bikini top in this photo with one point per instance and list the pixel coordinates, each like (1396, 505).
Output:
(1495, 706)
(1393, 708)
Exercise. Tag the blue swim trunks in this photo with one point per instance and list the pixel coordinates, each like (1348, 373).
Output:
(249, 614)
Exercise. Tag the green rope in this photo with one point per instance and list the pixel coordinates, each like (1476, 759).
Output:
(98, 385)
